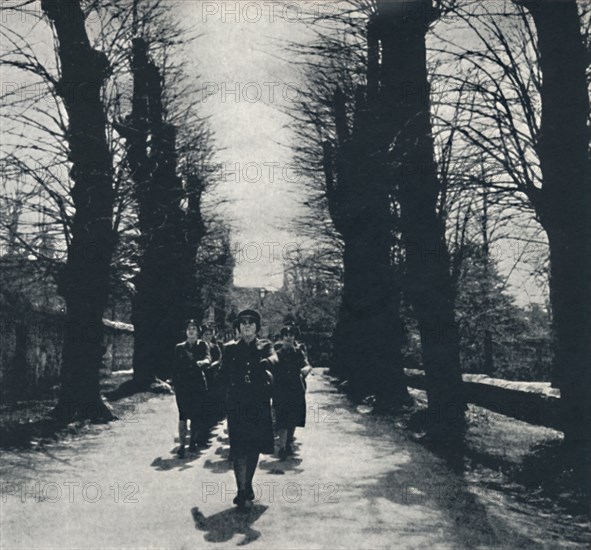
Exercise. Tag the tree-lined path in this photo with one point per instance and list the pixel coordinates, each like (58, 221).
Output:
(355, 482)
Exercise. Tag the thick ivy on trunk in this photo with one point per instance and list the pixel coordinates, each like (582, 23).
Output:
(156, 312)
(169, 237)
(428, 287)
(84, 281)
(564, 204)
(194, 224)
(368, 335)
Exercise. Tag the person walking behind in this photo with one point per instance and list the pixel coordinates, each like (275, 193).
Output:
(214, 401)
(289, 389)
(246, 366)
(236, 329)
(191, 359)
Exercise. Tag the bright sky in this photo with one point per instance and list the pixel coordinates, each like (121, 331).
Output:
(248, 83)
(240, 60)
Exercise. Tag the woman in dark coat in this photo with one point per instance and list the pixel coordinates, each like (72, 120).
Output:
(191, 359)
(245, 372)
(214, 401)
(289, 389)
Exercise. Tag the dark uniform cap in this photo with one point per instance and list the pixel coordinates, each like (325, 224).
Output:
(252, 314)
(191, 322)
(290, 330)
(205, 327)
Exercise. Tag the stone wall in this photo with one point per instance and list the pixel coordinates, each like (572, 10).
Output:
(31, 348)
(533, 402)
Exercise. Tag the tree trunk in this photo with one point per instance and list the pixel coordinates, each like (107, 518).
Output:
(367, 344)
(194, 226)
(169, 237)
(84, 281)
(570, 298)
(488, 348)
(428, 283)
(345, 360)
(136, 129)
(158, 307)
(486, 288)
(368, 338)
(564, 205)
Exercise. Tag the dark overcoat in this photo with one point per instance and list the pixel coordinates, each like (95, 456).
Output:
(246, 374)
(214, 400)
(298, 345)
(289, 390)
(188, 378)
(213, 371)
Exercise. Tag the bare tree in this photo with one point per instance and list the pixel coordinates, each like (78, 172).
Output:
(41, 153)
(564, 202)
(84, 281)
(341, 113)
(525, 110)
(428, 285)
(170, 234)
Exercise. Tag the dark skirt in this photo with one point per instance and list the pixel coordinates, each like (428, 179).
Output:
(289, 406)
(250, 426)
(214, 399)
(190, 392)
(191, 405)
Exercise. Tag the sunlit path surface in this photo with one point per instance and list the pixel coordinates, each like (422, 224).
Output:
(355, 482)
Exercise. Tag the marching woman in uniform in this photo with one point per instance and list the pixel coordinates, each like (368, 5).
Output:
(191, 359)
(214, 401)
(208, 335)
(236, 329)
(289, 389)
(246, 366)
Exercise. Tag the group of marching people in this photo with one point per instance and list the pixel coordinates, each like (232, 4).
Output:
(194, 376)
(259, 386)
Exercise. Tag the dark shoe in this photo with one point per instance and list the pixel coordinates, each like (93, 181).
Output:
(289, 449)
(181, 452)
(282, 454)
(249, 492)
(240, 499)
(192, 448)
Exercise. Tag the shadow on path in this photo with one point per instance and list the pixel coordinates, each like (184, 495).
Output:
(279, 467)
(217, 466)
(37, 433)
(166, 464)
(415, 488)
(221, 527)
(223, 452)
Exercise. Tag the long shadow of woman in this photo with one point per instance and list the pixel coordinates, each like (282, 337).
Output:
(221, 527)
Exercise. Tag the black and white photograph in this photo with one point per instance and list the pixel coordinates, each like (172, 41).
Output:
(295, 274)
